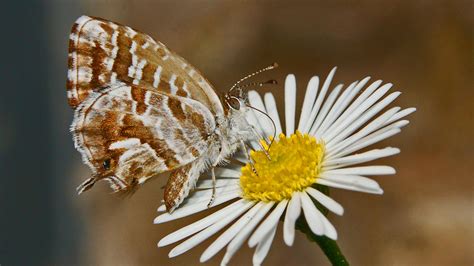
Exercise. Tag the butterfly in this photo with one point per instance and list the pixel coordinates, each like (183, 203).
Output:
(140, 110)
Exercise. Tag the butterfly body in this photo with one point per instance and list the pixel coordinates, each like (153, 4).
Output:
(141, 110)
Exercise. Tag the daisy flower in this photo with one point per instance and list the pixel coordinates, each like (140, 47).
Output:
(332, 127)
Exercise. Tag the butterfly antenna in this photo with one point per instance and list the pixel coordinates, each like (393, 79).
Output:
(259, 84)
(273, 124)
(272, 66)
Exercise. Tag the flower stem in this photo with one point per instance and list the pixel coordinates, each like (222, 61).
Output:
(328, 246)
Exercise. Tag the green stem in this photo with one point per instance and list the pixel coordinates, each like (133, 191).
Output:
(328, 246)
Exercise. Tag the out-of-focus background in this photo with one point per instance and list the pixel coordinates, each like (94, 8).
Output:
(425, 216)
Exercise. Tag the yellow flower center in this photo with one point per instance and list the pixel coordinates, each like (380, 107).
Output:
(295, 164)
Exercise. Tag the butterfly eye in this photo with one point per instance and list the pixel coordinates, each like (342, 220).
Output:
(234, 103)
(106, 164)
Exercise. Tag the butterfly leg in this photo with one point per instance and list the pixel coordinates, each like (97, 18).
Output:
(213, 197)
(259, 137)
(213, 175)
(247, 155)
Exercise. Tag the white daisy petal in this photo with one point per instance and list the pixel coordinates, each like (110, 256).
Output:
(361, 157)
(375, 137)
(326, 201)
(272, 111)
(398, 125)
(366, 117)
(337, 109)
(311, 214)
(162, 208)
(251, 114)
(227, 172)
(359, 111)
(334, 184)
(252, 120)
(293, 211)
(358, 86)
(256, 102)
(268, 224)
(357, 102)
(206, 195)
(325, 109)
(309, 97)
(329, 229)
(206, 183)
(230, 233)
(201, 224)
(239, 239)
(255, 146)
(319, 101)
(363, 170)
(209, 231)
(359, 181)
(194, 208)
(338, 144)
(341, 123)
(290, 103)
(263, 247)
(345, 119)
(401, 115)
(241, 157)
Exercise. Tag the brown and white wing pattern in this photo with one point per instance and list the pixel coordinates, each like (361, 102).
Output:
(102, 53)
(127, 134)
(180, 182)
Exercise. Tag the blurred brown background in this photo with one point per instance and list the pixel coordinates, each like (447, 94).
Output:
(425, 48)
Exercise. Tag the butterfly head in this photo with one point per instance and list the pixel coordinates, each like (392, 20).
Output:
(236, 99)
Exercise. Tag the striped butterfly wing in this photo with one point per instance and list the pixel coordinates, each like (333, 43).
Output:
(102, 53)
(129, 133)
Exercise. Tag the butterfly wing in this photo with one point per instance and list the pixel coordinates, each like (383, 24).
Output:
(102, 53)
(180, 182)
(127, 134)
